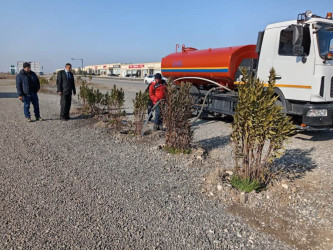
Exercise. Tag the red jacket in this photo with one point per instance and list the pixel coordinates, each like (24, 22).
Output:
(157, 91)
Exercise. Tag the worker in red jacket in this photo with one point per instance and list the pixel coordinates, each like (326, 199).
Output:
(157, 91)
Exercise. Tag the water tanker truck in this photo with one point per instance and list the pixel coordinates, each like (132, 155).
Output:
(300, 51)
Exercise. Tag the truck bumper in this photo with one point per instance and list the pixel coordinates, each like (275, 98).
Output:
(317, 122)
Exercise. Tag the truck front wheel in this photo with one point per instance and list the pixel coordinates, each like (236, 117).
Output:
(279, 103)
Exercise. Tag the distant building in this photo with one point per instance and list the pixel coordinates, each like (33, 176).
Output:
(139, 70)
(35, 67)
(12, 69)
(113, 69)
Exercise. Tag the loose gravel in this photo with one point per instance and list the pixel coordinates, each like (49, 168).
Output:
(298, 208)
(68, 185)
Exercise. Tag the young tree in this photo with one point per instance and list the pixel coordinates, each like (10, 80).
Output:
(176, 114)
(259, 130)
(43, 82)
(140, 109)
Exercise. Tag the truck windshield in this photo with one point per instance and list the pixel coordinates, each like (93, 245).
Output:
(325, 39)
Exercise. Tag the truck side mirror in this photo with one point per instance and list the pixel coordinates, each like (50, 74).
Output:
(259, 41)
(298, 49)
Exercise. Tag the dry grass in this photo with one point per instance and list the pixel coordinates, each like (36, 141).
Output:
(6, 76)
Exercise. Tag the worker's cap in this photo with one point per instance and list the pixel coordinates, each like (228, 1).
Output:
(26, 64)
(158, 76)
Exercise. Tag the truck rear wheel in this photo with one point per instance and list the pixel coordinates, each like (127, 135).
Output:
(196, 95)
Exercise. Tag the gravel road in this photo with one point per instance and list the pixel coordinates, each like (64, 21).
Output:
(67, 185)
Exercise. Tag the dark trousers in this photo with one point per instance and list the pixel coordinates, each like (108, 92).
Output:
(158, 118)
(150, 106)
(31, 98)
(65, 105)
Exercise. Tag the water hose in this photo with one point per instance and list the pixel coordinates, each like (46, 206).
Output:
(149, 115)
(203, 104)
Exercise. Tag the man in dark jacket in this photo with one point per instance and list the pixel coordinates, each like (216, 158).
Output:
(27, 85)
(65, 88)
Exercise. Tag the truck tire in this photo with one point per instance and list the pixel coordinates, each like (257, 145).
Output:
(196, 95)
(279, 103)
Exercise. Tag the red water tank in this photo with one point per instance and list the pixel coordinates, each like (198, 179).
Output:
(219, 64)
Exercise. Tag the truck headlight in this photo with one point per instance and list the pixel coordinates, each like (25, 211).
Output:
(317, 112)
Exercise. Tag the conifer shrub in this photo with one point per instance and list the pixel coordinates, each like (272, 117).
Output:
(140, 109)
(83, 95)
(109, 104)
(176, 113)
(43, 82)
(116, 102)
(53, 78)
(260, 128)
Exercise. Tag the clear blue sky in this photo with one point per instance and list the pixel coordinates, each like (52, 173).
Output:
(106, 31)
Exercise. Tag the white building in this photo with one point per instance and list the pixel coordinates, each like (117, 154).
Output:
(104, 69)
(35, 66)
(140, 69)
(124, 69)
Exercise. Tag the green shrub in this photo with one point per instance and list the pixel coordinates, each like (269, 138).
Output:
(140, 109)
(246, 185)
(259, 130)
(116, 103)
(91, 98)
(172, 150)
(43, 82)
(106, 100)
(176, 113)
(110, 103)
(117, 99)
(98, 100)
(53, 78)
(83, 94)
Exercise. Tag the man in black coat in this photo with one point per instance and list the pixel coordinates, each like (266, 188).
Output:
(65, 88)
(27, 85)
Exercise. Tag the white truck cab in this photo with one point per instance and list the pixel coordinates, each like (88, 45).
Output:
(301, 52)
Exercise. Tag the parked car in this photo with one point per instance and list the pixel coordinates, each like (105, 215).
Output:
(150, 78)
(131, 75)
